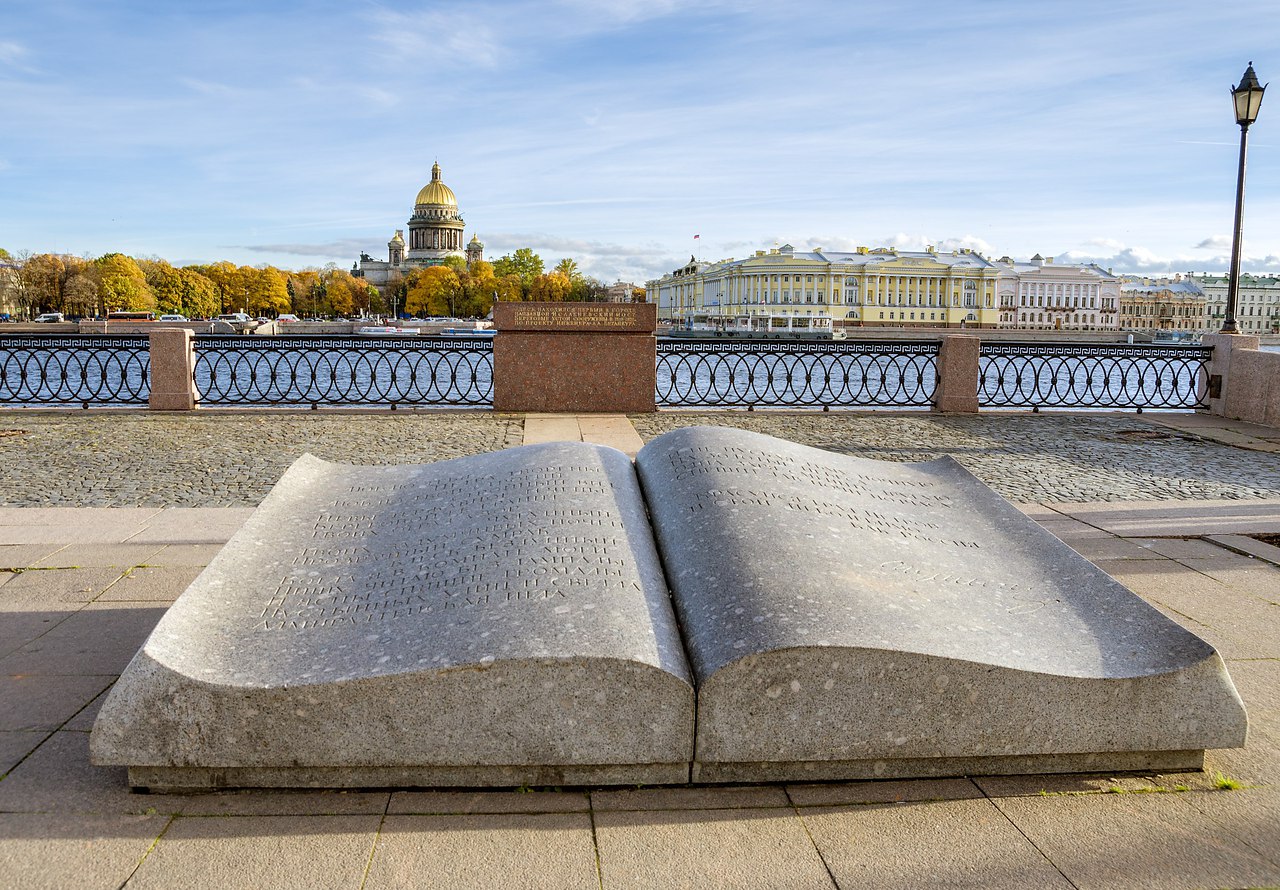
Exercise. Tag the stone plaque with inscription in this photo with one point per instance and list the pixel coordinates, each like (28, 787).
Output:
(850, 618)
(496, 620)
(505, 619)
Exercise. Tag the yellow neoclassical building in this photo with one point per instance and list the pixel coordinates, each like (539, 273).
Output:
(873, 288)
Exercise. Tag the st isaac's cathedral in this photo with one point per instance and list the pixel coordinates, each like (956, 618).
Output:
(435, 233)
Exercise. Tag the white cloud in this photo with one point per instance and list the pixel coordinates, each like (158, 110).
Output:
(604, 260)
(440, 37)
(1140, 261)
(14, 55)
(344, 248)
(1215, 242)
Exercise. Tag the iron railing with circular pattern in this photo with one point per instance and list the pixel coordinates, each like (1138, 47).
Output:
(54, 369)
(409, 371)
(799, 374)
(1057, 375)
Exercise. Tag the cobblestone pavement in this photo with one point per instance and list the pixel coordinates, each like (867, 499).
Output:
(137, 459)
(128, 459)
(1027, 458)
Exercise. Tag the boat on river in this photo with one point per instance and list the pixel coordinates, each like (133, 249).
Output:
(757, 327)
(386, 331)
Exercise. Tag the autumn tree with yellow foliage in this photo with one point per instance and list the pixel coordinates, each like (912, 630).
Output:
(431, 291)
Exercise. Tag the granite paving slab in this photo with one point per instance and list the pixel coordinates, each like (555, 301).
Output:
(83, 719)
(94, 555)
(844, 793)
(428, 803)
(151, 583)
(15, 745)
(99, 639)
(57, 777)
(56, 850)
(953, 843)
(708, 848)
(19, 626)
(253, 852)
(171, 555)
(52, 588)
(16, 556)
(1251, 816)
(541, 428)
(191, 525)
(691, 798)
(1255, 763)
(1178, 548)
(35, 702)
(1118, 841)
(482, 851)
(286, 803)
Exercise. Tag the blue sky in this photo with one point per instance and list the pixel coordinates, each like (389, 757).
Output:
(297, 133)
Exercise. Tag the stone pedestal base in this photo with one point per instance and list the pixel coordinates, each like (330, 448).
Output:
(957, 391)
(575, 357)
(173, 361)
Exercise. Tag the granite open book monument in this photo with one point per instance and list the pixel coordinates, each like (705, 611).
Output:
(731, 608)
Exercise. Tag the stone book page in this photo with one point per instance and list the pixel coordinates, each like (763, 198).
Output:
(501, 610)
(843, 609)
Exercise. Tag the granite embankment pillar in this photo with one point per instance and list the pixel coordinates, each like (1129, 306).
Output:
(173, 364)
(1244, 382)
(575, 357)
(957, 391)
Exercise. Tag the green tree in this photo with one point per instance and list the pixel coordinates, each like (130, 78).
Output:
(524, 264)
(199, 296)
(122, 286)
(568, 268)
(166, 284)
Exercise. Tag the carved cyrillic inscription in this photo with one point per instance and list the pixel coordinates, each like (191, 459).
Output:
(690, 463)
(481, 542)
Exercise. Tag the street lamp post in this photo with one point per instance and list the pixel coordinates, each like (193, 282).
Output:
(1247, 97)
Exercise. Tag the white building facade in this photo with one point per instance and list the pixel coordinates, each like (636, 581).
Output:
(1041, 295)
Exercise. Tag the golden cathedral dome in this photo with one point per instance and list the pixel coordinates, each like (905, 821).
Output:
(435, 191)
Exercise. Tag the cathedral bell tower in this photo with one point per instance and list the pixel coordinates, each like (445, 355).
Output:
(475, 251)
(395, 248)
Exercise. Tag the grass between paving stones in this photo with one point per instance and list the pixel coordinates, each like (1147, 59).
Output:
(1226, 783)
(1220, 782)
